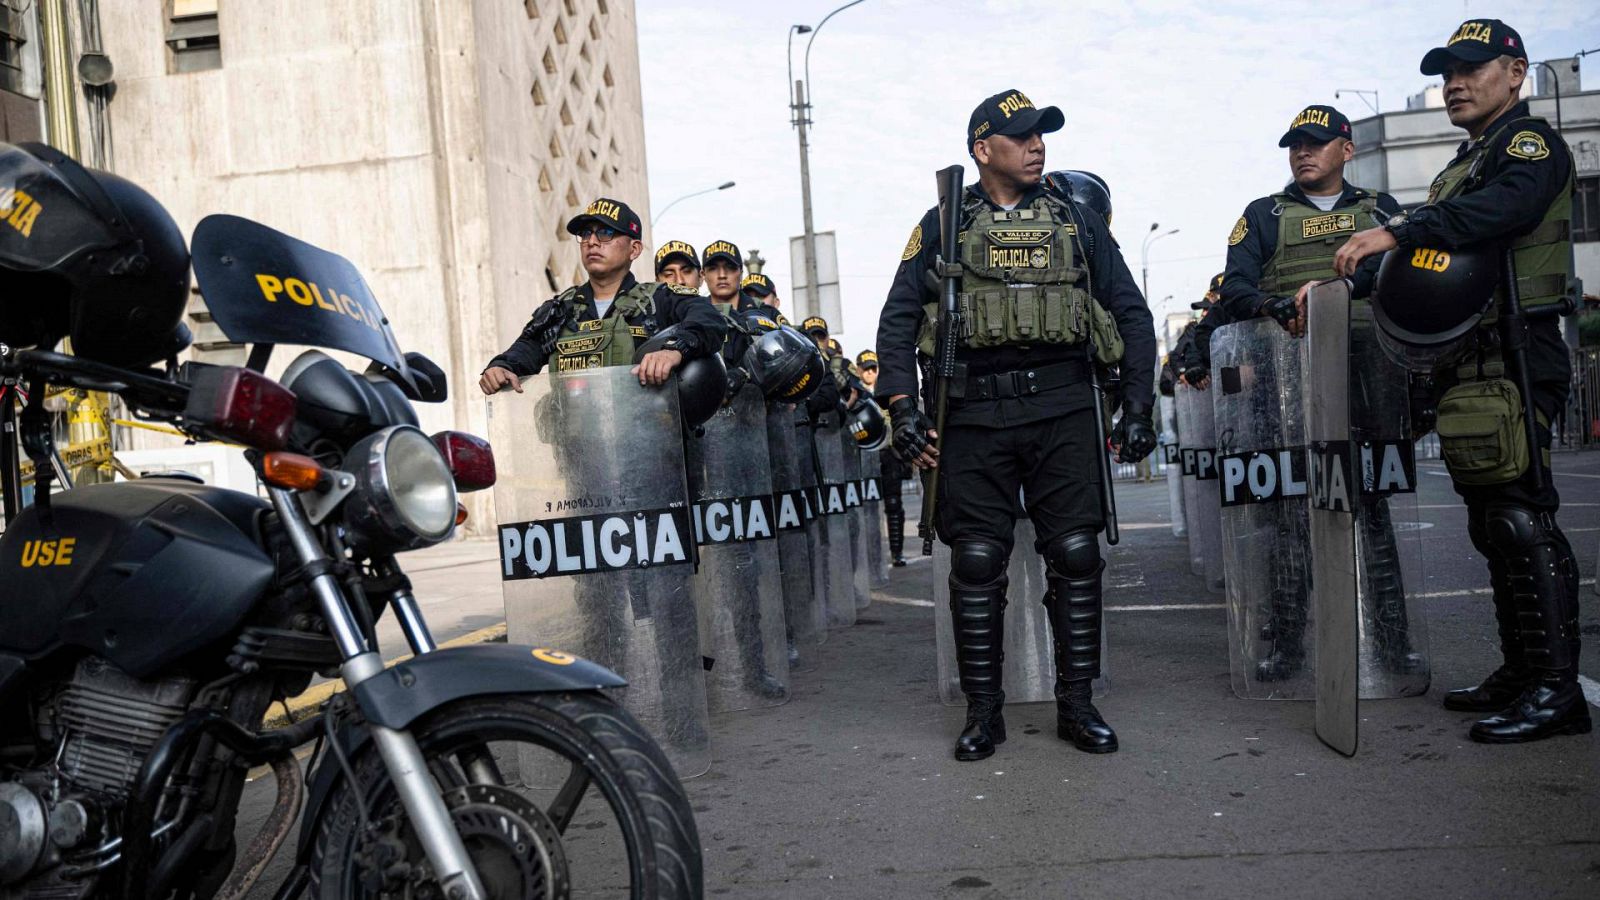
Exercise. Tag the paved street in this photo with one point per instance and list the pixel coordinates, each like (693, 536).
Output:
(849, 789)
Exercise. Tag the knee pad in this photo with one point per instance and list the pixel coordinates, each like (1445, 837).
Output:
(977, 562)
(1515, 527)
(893, 504)
(1075, 554)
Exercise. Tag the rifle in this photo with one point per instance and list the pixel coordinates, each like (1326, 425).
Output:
(949, 323)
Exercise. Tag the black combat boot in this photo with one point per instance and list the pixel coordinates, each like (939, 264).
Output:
(896, 519)
(977, 612)
(1073, 602)
(1543, 577)
(1505, 684)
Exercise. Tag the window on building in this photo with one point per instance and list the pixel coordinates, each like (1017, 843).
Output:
(555, 148)
(19, 55)
(538, 94)
(532, 6)
(544, 181)
(594, 28)
(549, 62)
(566, 114)
(1586, 210)
(561, 32)
(194, 43)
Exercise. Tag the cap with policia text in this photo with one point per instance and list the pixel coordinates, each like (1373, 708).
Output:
(815, 325)
(1011, 113)
(1318, 123)
(677, 250)
(866, 359)
(1475, 41)
(722, 250)
(757, 284)
(611, 213)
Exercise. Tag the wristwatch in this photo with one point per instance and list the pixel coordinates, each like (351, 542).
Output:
(1399, 226)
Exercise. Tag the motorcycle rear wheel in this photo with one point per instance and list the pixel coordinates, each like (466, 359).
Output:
(518, 845)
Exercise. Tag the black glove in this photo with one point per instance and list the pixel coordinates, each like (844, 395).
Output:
(1281, 309)
(1134, 435)
(544, 329)
(738, 377)
(911, 429)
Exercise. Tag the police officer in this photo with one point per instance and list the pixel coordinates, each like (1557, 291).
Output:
(598, 322)
(1288, 238)
(1194, 363)
(893, 474)
(723, 268)
(1508, 187)
(677, 262)
(762, 296)
(1021, 407)
(833, 354)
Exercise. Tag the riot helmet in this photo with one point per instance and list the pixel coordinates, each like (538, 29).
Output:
(1426, 301)
(867, 424)
(702, 381)
(788, 365)
(1087, 188)
(90, 256)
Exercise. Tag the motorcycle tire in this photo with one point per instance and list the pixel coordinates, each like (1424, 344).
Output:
(586, 728)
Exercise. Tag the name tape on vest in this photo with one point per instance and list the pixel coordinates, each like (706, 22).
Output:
(607, 542)
(1333, 223)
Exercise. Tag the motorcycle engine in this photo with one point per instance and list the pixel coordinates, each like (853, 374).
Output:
(100, 727)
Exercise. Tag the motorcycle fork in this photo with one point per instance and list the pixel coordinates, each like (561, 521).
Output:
(402, 758)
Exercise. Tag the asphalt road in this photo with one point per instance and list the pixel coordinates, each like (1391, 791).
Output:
(849, 789)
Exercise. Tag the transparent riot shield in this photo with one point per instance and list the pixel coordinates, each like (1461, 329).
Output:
(738, 590)
(834, 516)
(1265, 525)
(1029, 675)
(1202, 509)
(1172, 457)
(855, 504)
(1365, 546)
(817, 537)
(597, 542)
(872, 517)
(804, 616)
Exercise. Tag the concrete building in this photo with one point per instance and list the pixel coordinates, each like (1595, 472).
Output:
(440, 145)
(1401, 152)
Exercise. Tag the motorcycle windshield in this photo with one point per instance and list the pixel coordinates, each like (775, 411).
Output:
(264, 287)
(43, 221)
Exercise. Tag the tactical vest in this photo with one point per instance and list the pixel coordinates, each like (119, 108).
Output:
(1543, 256)
(609, 340)
(1022, 282)
(1308, 238)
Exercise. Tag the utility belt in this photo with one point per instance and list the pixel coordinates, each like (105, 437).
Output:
(1020, 383)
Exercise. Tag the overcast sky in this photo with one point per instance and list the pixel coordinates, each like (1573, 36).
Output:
(1178, 106)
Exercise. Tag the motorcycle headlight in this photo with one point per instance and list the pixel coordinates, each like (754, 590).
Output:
(405, 496)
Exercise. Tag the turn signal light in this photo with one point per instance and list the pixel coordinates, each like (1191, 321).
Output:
(461, 515)
(240, 405)
(291, 471)
(470, 459)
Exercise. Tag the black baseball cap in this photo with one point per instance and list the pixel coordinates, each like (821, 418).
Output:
(1011, 113)
(610, 213)
(722, 250)
(866, 359)
(674, 250)
(1475, 41)
(758, 284)
(815, 324)
(1319, 123)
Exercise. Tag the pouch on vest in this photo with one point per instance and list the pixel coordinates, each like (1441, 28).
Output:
(1481, 432)
(1107, 339)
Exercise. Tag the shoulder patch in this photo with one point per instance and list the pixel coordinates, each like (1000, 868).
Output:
(913, 245)
(1528, 145)
(1240, 229)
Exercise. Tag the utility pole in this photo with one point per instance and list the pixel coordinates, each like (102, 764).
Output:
(802, 118)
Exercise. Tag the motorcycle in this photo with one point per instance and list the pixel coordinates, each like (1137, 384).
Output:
(147, 626)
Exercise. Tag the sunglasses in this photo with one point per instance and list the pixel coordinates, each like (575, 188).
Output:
(600, 233)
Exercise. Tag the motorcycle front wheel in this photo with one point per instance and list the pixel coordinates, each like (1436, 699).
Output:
(516, 772)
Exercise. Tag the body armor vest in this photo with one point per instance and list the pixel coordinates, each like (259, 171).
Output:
(609, 340)
(1308, 238)
(1543, 256)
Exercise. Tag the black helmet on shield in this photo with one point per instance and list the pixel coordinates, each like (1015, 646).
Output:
(1087, 188)
(788, 365)
(90, 256)
(702, 382)
(867, 424)
(1427, 300)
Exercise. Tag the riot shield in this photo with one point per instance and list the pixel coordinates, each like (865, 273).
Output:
(1202, 509)
(834, 518)
(872, 517)
(737, 589)
(804, 616)
(597, 542)
(1172, 456)
(855, 504)
(1029, 675)
(1265, 525)
(1365, 548)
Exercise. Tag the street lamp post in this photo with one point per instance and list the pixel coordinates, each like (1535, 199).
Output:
(800, 118)
(1373, 103)
(1556, 79)
(1144, 256)
(657, 217)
